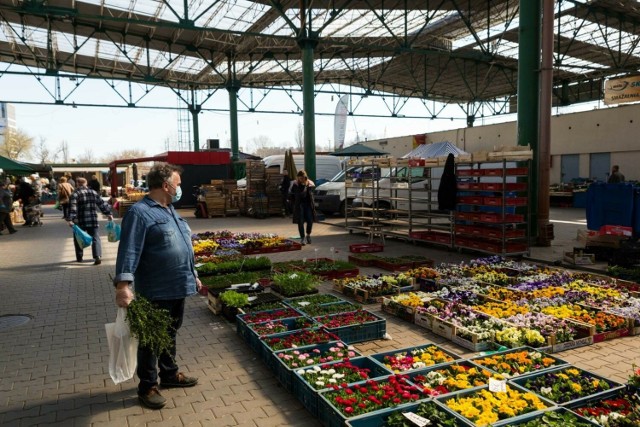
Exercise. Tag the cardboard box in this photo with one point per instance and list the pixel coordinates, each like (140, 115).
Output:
(593, 238)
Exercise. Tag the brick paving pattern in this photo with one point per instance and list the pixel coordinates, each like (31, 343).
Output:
(53, 370)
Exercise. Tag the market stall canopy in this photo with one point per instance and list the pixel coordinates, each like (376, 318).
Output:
(358, 150)
(437, 149)
(11, 166)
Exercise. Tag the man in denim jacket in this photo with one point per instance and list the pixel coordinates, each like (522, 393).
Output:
(156, 255)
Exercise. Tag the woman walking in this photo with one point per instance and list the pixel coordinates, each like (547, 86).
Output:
(64, 192)
(304, 209)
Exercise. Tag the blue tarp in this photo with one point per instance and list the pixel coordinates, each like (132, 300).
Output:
(437, 149)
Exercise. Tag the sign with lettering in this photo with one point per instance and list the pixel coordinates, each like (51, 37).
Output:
(622, 90)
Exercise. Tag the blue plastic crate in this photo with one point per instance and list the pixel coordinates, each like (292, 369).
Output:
(558, 361)
(612, 394)
(379, 418)
(362, 332)
(330, 416)
(342, 306)
(609, 204)
(560, 411)
(292, 324)
(308, 395)
(295, 302)
(285, 374)
(241, 324)
(266, 352)
(520, 381)
(443, 400)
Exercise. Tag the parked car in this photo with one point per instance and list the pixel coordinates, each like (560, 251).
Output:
(330, 197)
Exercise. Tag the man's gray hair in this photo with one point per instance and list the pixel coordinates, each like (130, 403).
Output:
(81, 181)
(160, 173)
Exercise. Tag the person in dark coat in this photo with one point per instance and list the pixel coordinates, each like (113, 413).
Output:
(94, 184)
(304, 209)
(448, 190)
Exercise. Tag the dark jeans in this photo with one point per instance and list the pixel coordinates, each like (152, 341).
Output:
(5, 218)
(305, 215)
(96, 245)
(148, 362)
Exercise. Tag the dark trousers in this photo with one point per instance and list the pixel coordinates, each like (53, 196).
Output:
(148, 362)
(285, 204)
(65, 210)
(96, 245)
(5, 218)
(305, 215)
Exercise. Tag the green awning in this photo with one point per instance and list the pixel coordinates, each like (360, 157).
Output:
(11, 166)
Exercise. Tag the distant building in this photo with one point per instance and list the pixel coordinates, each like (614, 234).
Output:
(7, 119)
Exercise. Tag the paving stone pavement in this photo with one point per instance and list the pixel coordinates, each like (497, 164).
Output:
(53, 370)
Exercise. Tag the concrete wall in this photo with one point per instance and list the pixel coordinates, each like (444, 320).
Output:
(611, 130)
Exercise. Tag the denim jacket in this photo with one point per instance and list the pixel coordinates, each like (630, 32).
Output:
(155, 252)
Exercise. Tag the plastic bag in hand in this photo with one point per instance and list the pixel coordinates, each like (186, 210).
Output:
(123, 349)
(113, 231)
(82, 237)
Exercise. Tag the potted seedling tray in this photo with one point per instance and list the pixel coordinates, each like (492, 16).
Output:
(424, 410)
(372, 296)
(286, 246)
(299, 303)
(366, 331)
(258, 330)
(325, 352)
(307, 393)
(551, 374)
(242, 320)
(360, 248)
(555, 414)
(438, 355)
(363, 260)
(295, 339)
(539, 368)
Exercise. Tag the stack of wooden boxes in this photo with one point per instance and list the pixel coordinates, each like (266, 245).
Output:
(274, 196)
(214, 197)
(255, 192)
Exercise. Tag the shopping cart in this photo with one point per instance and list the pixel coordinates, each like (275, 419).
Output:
(33, 213)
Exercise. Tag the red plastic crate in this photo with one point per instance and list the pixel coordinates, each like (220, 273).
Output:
(492, 172)
(474, 186)
(508, 201)
(470, 200)
(469, 172)
(469, 229)
(361, 248)
(422, 235)
(499, 186)
(517, 171)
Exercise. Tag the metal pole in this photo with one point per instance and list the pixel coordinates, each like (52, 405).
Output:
(544, 148)
(233, 121)
(308, 107)
(195, 111)
(528, 94)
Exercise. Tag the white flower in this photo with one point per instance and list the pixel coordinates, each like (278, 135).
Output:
(331, 371)
(320, 383)
(301, 372)
(338, 376)
(333, 381)
(546, 390)
(317, 368)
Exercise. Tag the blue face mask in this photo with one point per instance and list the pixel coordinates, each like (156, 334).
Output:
(178, 195)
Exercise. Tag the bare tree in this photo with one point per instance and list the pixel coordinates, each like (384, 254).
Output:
(87, 156)
(42, 153)
(269, 151)
(131, 153)
(63, 151)
(299, 137)
(17, 143)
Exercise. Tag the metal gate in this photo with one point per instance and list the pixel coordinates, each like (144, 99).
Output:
(570, 167)
(599, 166)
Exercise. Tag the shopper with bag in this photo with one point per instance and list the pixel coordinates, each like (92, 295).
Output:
(65, 190)
(156, 255)
(83, 210)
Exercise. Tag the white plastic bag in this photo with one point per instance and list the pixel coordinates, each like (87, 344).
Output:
(123, 349)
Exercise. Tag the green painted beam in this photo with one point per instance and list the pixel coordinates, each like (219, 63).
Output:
(195, 112)
(233, 121)
(308, 107)
(528, 95)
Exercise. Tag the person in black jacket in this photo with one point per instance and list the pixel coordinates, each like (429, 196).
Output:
(94, 184)
(448, 190)
(25, 194)
(303, 205)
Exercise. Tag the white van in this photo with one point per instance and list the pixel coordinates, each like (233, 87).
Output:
(326, 166)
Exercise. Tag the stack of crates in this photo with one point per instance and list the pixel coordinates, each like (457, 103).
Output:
(214, 198)
(255, 192)
(274, 196)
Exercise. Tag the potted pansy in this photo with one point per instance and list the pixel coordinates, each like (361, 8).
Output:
(565, 384)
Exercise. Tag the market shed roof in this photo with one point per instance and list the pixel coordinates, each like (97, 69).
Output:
(447, 50)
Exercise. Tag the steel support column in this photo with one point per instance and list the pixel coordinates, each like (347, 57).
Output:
(544, 149)
(233, 121)
(528, 95)
(308, 106)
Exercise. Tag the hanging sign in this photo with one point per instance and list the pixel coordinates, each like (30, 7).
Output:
(622, 90)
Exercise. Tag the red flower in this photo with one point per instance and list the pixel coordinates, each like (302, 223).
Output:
(348, 410)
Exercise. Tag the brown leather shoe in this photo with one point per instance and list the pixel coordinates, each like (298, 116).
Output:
(181, 380)
(152, 399)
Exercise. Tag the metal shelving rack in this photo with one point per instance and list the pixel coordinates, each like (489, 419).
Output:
(486, 196)
(360, 217)
(412, 212)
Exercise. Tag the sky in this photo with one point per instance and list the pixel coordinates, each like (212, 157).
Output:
(107, 130)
